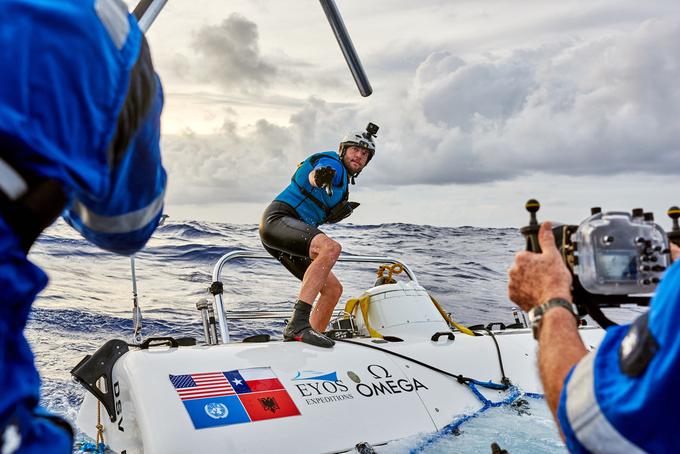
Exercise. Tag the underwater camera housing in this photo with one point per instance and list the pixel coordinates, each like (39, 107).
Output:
(615, 257)
(620, 254)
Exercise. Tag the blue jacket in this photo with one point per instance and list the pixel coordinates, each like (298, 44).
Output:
(624, 397)
(294, 194)
(70, 112)
(59, 108)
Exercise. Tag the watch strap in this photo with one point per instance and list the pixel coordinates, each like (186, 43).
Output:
(536, 313)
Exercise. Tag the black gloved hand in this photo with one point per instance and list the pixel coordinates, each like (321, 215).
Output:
(323, 176)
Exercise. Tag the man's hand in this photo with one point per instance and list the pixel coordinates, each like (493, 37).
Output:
(675, 252)
(323, 176)
(537, 278)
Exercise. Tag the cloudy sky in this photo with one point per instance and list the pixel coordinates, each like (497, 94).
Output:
(481, 105)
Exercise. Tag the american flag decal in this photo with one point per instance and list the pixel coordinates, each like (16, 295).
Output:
(214, 399)
(200, 386)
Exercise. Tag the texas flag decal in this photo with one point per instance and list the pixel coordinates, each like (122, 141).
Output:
(222, 398)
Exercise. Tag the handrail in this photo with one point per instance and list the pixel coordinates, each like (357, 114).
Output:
(260, 315)
(217, 272)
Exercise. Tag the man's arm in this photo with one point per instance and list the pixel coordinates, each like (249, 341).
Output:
(535, 279)
(611, 400)
(559, 348)
(325, 170)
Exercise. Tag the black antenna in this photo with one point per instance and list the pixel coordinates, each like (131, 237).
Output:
(345, 42)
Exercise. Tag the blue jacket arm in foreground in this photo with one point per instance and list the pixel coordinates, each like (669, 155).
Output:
(125, 218)
(624, 396)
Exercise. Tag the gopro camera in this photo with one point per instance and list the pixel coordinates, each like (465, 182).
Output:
(372, 130)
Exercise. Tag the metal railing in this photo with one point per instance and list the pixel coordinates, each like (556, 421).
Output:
(221, 313)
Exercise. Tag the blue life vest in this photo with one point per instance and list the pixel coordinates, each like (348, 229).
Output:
(312, 204)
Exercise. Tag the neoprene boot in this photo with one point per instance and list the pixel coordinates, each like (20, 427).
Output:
(299, 329)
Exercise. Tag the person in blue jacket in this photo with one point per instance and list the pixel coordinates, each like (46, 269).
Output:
(80, 108)
(317, 194)
(624, 396)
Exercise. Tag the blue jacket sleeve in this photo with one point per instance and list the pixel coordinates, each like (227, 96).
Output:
(607, 406)
(125, 218)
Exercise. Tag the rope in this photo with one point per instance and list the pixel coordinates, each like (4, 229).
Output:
(453, 426)
(505, 380)
(98, 446)
(471, 383)
(459, 377)
(100, 427)
(363, 302)
(395, 268)
(460, 327)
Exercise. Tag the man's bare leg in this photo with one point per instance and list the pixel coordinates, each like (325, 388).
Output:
(323, 310)
(324, 252)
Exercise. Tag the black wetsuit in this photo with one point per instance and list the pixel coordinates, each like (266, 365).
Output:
(287, 238)
(289, 223)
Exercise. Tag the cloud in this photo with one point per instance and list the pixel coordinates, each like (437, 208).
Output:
(227, 166)
(251, 165)
(601, 107)
(574, 107)
(228, 57)
(226, 54)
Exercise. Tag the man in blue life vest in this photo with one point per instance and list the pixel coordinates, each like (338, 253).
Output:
(624, 396)
(80, 108)
(317, 194)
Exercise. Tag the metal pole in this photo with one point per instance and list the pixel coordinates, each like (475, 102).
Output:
(221, 318)
(202, 306)
(220, 313)
(136, 311)
(213, 330)
(345, 42)
(146, 12)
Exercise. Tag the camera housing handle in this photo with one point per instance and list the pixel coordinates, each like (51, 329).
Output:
(674, 235)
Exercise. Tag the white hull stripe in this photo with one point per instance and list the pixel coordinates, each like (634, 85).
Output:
(114, 16)
(124, 223)
(11, 182)
(585, 417)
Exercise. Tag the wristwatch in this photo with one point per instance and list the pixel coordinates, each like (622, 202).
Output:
(536, 313)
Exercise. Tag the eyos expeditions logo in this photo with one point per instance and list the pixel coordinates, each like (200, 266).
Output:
(322, 388)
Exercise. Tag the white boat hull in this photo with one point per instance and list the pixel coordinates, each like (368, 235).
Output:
(375, 396)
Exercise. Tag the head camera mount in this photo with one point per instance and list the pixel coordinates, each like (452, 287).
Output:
(371, 131)
(615, 258)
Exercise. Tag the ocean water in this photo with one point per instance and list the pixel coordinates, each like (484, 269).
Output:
(89, 300)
